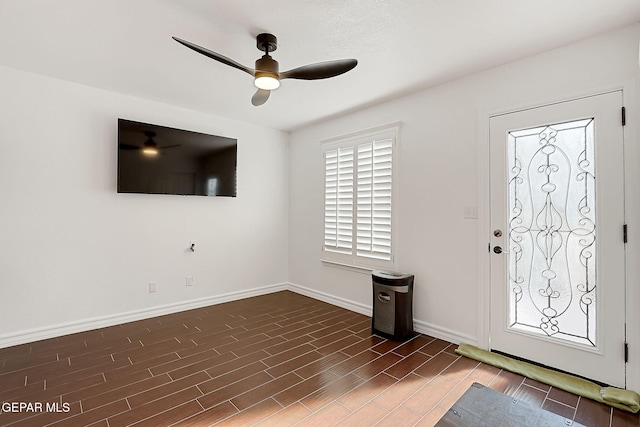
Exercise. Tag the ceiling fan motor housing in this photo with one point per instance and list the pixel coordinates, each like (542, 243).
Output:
(267, 66)
(150, 143)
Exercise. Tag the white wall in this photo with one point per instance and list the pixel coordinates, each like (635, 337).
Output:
(72, 250)
(443, 169)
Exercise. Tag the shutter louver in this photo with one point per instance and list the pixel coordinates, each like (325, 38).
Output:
(373, 216)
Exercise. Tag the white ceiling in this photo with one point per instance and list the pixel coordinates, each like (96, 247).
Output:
(401, 46)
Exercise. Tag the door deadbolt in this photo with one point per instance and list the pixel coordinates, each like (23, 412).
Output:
(497, 233)
(497, 249)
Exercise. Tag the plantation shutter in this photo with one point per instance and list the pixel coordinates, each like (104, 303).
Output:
(358, 202)
(338, 209)
(373, 219)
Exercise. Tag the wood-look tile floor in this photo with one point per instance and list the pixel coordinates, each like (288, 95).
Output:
(274, 360)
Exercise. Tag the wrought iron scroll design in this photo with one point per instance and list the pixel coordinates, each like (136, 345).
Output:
(552, 231)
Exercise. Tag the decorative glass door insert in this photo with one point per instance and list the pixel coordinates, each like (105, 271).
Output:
(552, 231)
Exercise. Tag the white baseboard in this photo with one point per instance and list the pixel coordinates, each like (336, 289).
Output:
(53, 331)
(418, 325)
(331, 299)
(32, 335)
(443, 333)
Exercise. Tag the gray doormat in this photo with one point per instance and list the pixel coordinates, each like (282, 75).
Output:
(482, 406)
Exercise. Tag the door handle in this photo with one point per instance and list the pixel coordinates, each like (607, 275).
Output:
(497, 249)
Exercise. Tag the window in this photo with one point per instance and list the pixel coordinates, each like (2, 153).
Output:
(358, 195)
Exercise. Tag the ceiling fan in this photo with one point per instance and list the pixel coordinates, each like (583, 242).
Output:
(267, 75)
(150, 147)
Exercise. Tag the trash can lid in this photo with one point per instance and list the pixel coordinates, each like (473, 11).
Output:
(391, 276)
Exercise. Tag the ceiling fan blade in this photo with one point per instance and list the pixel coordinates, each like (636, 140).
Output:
(213, 55)
(321, 70)
(129, 147)
(260, 97)
(169, 146)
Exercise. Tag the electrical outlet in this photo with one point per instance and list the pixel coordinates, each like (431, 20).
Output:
(189, 280)
(152, 287)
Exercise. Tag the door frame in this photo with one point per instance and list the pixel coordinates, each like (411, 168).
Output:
(631, 147)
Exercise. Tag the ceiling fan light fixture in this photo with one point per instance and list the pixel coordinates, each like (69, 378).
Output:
(150, 148)
(267, 82)
(150, 151)
(266, 74)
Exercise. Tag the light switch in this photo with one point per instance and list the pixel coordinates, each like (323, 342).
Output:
(470, 212)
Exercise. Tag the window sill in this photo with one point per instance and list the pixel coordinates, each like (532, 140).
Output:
(349, 267)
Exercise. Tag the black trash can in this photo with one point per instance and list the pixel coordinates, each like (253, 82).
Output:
(392, 305)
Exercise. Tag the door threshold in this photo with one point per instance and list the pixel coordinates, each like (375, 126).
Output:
(551, 368)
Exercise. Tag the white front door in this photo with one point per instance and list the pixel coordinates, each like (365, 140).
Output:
(557, 250)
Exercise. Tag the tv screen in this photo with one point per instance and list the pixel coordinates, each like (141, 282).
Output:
(155, 159)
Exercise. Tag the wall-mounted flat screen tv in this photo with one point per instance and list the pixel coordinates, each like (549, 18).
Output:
(156, 159)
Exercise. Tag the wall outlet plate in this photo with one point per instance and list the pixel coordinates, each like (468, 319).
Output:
(153, 287)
